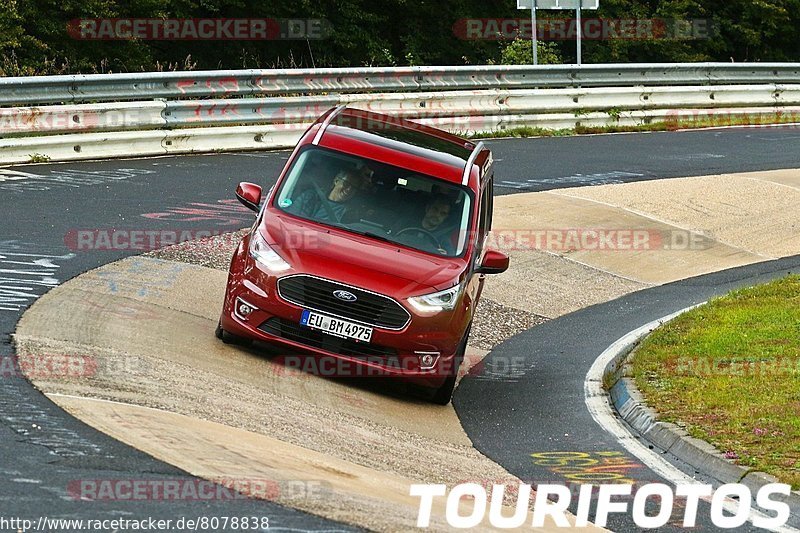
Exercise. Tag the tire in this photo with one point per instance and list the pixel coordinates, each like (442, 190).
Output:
(444, 394)
(230, 338)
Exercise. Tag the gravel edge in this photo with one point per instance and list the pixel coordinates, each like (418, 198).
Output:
(493, 322)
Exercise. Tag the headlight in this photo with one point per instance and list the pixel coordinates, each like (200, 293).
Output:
(266, 256)
(438, 301)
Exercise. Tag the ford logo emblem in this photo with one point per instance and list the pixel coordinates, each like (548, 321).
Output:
(345, 295)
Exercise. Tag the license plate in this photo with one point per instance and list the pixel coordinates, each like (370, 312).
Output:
(336, 326)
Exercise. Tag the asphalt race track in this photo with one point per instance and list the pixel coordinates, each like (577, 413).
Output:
(601, 159)
(523, 423)
(45, 452)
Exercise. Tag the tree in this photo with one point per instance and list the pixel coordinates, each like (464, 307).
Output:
(34, 37)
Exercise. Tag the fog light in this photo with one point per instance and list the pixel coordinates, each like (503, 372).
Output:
(243, 309)
(427, 360)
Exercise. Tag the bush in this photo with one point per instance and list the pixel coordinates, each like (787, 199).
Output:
(520, 52)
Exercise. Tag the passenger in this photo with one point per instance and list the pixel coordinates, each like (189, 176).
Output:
(339, 204)
(366, 173)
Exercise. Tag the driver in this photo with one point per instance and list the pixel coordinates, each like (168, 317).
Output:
(339, 202)
(437, 212)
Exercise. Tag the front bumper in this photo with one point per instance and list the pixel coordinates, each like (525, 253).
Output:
(390, 353)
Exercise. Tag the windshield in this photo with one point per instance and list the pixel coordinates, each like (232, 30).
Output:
(378, 200)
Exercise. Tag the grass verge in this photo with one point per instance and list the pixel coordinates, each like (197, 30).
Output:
(708, 121)
(729, 372)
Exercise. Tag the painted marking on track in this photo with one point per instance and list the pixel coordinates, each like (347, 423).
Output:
(688, 157)
(18, 181)
(224, 212)
(261, 156)
(599, 468)
(773, 139)
(588, 467)
(133, 278)
(25, 274)
(600, 178)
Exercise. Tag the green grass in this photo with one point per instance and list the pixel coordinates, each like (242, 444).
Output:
(38, 158)
(711, 121)
(523, 131)
(729, 372)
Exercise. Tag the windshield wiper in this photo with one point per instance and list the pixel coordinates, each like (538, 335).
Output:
(372, 235)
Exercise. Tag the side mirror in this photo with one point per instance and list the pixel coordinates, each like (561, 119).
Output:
(494, 262)
(249, 194)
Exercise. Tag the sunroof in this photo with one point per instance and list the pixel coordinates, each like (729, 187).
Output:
(402, 134)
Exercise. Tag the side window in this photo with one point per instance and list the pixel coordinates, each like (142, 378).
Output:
(485, 216)
(487, 205)
(490, 199)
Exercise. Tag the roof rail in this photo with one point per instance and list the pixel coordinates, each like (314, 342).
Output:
(327, 121)
(471, 161)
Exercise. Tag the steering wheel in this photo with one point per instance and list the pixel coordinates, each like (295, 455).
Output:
(324, 200)
(422, 231)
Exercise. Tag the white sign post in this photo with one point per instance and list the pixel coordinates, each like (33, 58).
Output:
(577, 5)
(579, 29)
(534, 31)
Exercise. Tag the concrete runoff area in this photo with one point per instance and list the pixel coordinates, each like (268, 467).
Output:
(219, 411)
(696, 226)
(148, 326)
(339, 489)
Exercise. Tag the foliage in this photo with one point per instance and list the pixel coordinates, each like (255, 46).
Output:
(34, 37)
(38, 158)
(520, 52)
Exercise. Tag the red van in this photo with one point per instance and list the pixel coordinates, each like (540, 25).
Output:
(369, 253)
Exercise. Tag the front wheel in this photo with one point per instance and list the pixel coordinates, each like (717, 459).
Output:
(230, 338)
(444, 394)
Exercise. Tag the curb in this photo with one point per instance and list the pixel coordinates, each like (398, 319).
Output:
(631, 407)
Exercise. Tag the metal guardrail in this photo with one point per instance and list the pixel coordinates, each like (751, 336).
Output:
(177, 112)
(242, 83)
(162, 114)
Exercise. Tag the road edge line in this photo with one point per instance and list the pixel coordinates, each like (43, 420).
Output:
(625, 403)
